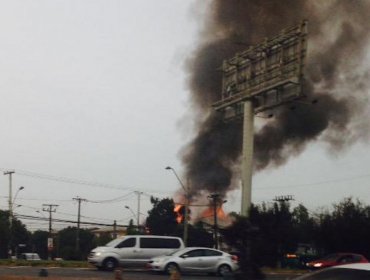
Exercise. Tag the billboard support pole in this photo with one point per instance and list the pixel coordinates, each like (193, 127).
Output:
(247, 158)
(261, 78)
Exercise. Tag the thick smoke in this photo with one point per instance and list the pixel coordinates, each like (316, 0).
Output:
(338, 36)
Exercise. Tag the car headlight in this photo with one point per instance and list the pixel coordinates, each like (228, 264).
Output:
(97, 254)
(317, 265)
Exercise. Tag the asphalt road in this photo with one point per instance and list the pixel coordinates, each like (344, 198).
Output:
(89, 273)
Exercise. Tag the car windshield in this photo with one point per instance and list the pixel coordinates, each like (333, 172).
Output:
(113, 243)
(172, 253)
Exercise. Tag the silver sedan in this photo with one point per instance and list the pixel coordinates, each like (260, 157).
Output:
(194, 260)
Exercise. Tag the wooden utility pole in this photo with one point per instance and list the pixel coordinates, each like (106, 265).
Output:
(50, 208)
(215, 200)
(79, 200)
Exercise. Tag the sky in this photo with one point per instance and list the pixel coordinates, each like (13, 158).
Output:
(95, 104)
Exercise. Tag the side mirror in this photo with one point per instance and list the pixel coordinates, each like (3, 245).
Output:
(184, 256)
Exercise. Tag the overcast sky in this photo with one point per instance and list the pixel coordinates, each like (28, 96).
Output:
(95, 91)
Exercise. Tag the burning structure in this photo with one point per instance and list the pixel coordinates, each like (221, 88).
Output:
(334, 69)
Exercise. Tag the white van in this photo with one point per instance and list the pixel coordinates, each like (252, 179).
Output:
(133, 250)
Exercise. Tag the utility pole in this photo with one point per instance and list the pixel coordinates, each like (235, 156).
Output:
(187, 201)
(50, 208)
(10, 202)
(79, 200)
(215, 200)
(138, 209)
(114, 229)
(10, 210)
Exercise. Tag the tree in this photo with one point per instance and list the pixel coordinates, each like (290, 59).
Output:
(198, 236)
(67, 243)
(11, 237)
(242, 236)
(132, 229)
(4, 233)
(39, 243)
(346, 229)
(161, 218)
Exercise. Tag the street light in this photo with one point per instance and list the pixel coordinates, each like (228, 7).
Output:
(128, 207)
(185, 237)
(11, 217)
(16, 194)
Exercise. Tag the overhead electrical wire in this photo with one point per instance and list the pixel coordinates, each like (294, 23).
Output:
(67, 180)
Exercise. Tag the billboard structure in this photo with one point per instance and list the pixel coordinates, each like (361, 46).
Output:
(261, 78)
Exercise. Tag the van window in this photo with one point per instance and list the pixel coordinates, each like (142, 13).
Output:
(127, 243)
(166, 243)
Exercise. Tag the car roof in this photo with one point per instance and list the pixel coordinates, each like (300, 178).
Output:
(200, 248)
(360, 266)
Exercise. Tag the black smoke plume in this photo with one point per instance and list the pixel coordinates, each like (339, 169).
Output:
(338, 37)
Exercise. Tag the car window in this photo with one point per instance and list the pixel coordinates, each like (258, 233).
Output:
(337, 274)
(356, 258)
(114, 243)
(150, 242)
(210, 253)
(331, 257)
(194, 253)
(346, 259)
(127, 243)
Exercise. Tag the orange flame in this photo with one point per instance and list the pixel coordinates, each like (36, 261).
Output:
(179, 216)
(209, 212)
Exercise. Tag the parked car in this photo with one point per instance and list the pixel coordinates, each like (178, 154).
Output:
(337, 259)
(30, 257)
(195, 259)
(133, 250)
(355, 271)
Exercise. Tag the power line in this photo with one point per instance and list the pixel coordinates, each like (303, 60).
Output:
(117, 199)
(68, 180)
(35, 218)
(72, 180)
(316, 183)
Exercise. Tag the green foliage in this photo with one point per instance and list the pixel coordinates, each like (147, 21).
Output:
(132, 229)
(161, 218)
(347, 228)
(103, 239)
(4, 233)
(67, 243)
(198, 236)
(39, 243)
(11, 237)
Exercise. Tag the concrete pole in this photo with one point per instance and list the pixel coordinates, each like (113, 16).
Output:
(138, 210)
(10, 196)
(186, 217)
(10, 212)
(247, 157)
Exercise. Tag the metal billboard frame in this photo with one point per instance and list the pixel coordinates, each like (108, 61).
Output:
(269, 73)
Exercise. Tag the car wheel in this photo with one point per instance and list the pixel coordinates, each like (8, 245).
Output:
(224, 269)
(171, 267)
(110, 264)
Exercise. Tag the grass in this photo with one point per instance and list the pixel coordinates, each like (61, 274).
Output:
(44, 263)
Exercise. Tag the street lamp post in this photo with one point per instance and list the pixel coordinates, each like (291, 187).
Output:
(11, 216)
(15, 196)
(132, 212)
(185, 236)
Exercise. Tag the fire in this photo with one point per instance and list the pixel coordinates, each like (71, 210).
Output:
(179, 213)
(207, 216)
(209, 212)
